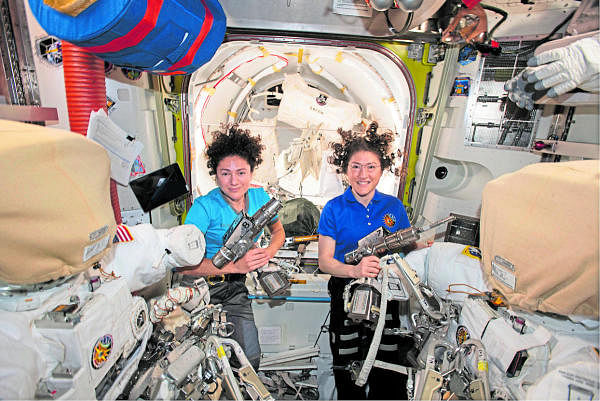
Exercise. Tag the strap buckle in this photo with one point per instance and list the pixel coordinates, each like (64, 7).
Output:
(220, 278)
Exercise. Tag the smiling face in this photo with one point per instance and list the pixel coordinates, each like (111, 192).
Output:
(363, 172)
(233, 177)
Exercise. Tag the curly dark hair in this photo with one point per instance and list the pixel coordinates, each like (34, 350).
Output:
(233, 141)
(353, 142)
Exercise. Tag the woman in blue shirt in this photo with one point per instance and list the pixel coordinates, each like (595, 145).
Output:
(232, 158)
(360, 210)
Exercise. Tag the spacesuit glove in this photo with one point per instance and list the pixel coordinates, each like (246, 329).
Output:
(520, 91)
(566, 68)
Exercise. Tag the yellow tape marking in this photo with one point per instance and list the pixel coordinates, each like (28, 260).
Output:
(252, 82)
(482, 366)
(220, 351)
(300, 53)
(389, 100)
(343, 89)
(264, 51)
(209, 89)
(232, 114)
(309, 61)
(339, 57)
(275, 68)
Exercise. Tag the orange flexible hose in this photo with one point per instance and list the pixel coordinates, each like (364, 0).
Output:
(86, 92)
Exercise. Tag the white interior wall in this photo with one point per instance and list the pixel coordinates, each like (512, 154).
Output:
(367, 77)
(135, 112)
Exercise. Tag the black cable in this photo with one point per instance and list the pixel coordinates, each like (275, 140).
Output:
(545, 39)
(497, 10)
(321, 329)
(391, 28)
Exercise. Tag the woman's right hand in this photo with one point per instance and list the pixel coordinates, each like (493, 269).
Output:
(252, 260)
(367, 267)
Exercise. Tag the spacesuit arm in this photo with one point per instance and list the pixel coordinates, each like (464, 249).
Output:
(557, 71)
(560, 70)
(21, 362)
(144, 254)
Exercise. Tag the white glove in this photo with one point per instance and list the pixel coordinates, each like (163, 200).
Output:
(520, 91)
(566, 68)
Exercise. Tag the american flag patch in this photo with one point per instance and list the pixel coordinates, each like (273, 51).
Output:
(122, 235)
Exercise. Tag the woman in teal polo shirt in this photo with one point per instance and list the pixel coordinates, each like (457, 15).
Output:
(360, 210)
(232, 157)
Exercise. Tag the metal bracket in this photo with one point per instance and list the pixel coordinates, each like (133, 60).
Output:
(564, 148)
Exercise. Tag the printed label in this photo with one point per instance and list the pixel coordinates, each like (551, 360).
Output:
(580, 387)
(271, 281)
(503, 262)
(269, 335)
(94, 235)
(94, 249)
(359, 302)
(503, 275)
(195, 244)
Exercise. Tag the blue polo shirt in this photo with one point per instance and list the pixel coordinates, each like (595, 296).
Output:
(346, 220)
(213, 215)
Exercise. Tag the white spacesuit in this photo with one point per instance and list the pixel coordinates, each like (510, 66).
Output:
(80, 326)
(530, 355)
(526, 307)
(532, 306)
(69, 325)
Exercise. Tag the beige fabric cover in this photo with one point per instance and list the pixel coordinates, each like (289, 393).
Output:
(56, 217)
(543, 221)
(69, 7)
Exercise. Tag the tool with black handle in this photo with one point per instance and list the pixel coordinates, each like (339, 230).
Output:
(239, 238)
(380, 242)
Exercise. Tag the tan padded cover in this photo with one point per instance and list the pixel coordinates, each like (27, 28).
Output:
(69, 7)
(56, 217)
(542, 221)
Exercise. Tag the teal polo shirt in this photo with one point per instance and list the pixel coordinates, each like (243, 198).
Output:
(213, 216)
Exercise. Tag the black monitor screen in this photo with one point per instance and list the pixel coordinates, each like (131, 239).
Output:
(159, 187)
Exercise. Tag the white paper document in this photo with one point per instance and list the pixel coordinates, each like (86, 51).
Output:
(121, 150)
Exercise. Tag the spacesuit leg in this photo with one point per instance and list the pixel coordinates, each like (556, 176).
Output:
(385, 384)
(345, 339)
